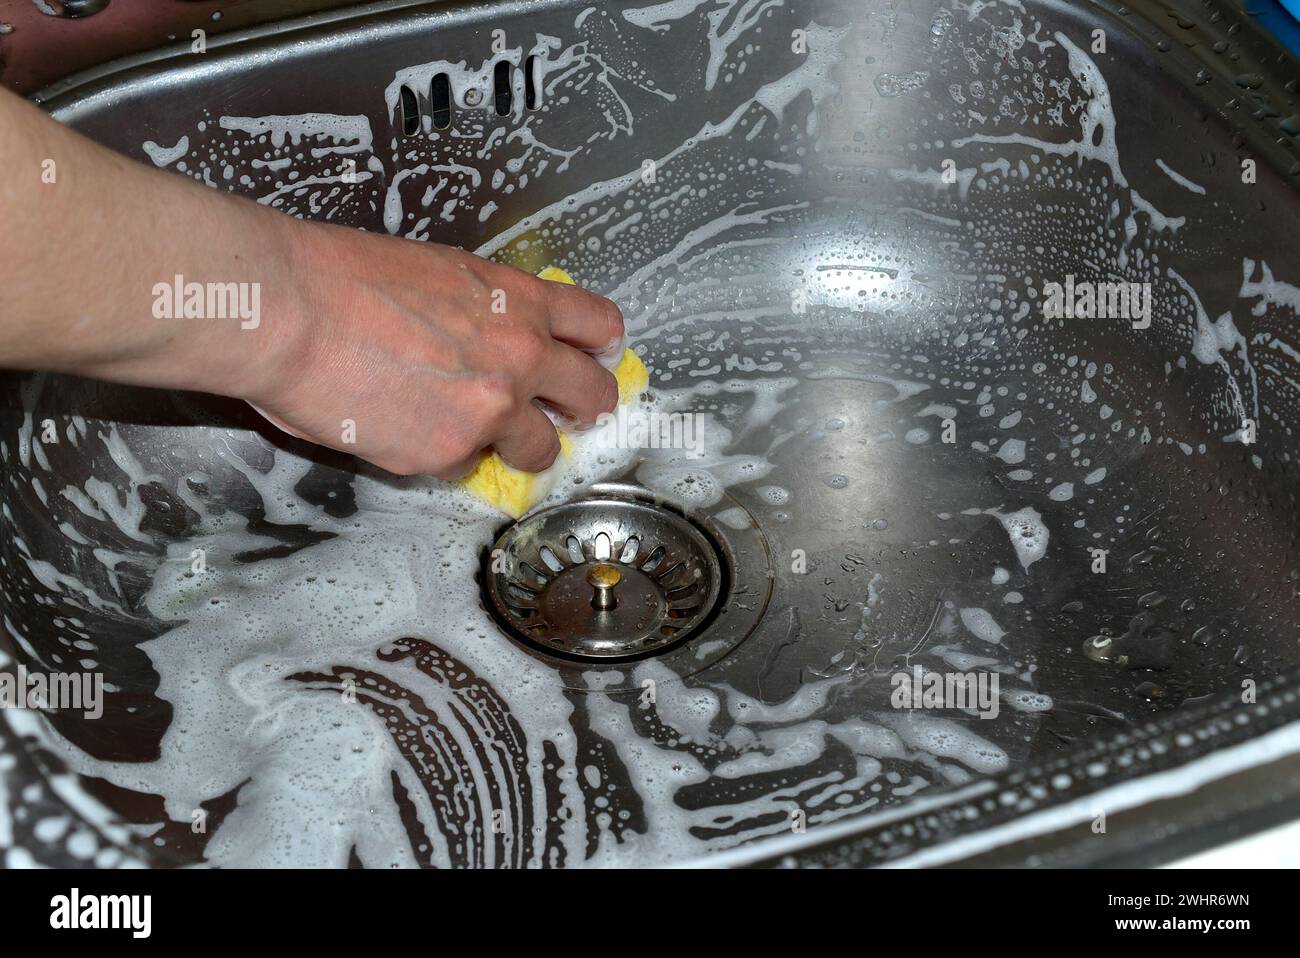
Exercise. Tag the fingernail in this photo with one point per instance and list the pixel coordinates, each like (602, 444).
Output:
(610, 356)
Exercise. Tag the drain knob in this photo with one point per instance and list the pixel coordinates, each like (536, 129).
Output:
(603, 578)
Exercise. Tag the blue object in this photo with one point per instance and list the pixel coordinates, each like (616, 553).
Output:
(1280, 18)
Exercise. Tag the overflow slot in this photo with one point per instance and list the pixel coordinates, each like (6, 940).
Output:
(410, 112)
(440, 101)
(505, 96)
(532, 92)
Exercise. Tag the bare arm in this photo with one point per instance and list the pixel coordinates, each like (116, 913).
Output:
(396, 337)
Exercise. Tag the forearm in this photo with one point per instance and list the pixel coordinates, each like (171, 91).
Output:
(383, 347)
(87, 240)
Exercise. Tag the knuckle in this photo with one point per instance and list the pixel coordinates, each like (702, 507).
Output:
(612, 318)
(529, 346)
(606, 397)
(495, 401)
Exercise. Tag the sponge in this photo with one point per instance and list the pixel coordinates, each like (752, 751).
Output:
(513, 491)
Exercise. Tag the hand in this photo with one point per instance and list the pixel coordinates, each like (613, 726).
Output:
(411, 355)
(433, 355)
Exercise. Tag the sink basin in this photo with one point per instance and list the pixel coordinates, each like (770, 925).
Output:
(986, 316)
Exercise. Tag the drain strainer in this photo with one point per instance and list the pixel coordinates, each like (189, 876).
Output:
(604, 578)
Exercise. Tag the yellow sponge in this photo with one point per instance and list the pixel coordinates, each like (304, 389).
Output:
(632, 377)
(513, 491)
(554, 274)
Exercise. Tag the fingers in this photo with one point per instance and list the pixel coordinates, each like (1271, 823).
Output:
(529, 441)
(576, 385)
(584, 320)
(455, 470)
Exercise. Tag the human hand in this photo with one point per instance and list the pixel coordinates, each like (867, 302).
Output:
(414, 356)
(418, 356)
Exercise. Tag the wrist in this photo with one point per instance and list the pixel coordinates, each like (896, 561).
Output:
(275, 351)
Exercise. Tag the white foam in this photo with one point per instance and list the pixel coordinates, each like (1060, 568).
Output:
(166, 155)
(982, 625)
(1029, 536)
(1063, 492)
(1012, 451)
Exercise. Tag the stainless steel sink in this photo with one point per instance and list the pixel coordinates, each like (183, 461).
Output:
(834, 229)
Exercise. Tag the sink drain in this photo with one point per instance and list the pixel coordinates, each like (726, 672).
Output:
(605, 578)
